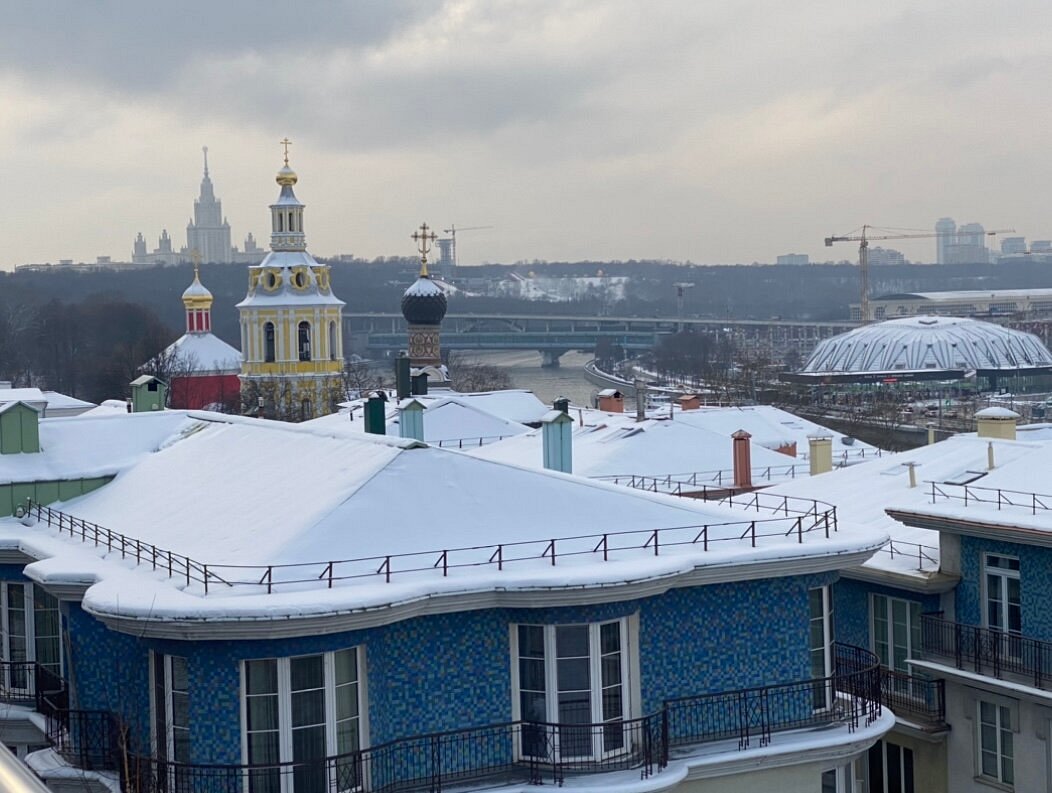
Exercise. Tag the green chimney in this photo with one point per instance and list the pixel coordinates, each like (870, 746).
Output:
(148, 393)
(19, 428)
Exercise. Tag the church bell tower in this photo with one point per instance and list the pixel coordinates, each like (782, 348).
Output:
(291, 329)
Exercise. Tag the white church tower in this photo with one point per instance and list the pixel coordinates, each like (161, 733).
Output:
(291, 334)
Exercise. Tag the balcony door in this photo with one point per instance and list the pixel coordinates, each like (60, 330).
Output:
(571, 684)
(1003, 610)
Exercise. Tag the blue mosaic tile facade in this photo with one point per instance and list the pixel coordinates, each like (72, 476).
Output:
(452, 671)
(852, 607)
(1035, 582)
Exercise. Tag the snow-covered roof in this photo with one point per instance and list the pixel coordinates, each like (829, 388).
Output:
(927, 344)
(863, 492)
(31, 396)
(204, 353)
(772, 427)
(996, 413)
(87, 446)
(423, 287)
(64, 402)
(613, 444)
(338, 496)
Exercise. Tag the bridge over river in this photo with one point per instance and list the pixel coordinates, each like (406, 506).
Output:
(380, 334)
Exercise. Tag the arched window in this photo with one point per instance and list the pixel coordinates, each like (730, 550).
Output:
(268, 342)
(304, 341)
(332, 341)
(292, 222)
(281, 222)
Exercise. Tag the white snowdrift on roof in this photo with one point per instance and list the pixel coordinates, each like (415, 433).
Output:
(95, 445)
(609, 444)
(768, 425)
(205, 353)
(863, 492)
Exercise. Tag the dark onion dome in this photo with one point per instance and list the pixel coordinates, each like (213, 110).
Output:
(926, 348)
(424, 302)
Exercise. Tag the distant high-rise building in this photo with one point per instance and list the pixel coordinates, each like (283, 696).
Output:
(209, 233)
(946, 228)
(1012, 245)
(1041, 246)
(793, 258)
(884, 256)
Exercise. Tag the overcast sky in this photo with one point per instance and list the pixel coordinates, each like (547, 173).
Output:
(585, 129)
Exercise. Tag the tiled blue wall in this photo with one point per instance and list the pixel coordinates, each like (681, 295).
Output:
(108, 671)
(451, 671)
(1035, 582)
(851, 607)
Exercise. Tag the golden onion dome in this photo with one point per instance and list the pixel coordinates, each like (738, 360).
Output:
(286, 177)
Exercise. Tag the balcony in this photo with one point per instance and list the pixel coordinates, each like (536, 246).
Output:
(917, 700)
(986, 651)
(514, 752)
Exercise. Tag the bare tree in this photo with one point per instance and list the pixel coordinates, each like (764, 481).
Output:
(471, 375)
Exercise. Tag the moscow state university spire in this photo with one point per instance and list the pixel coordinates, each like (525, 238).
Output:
(291, 329)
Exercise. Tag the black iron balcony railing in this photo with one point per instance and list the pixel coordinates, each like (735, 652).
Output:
(535, 752)
(33, 685)
(987, 651)
(917, 699)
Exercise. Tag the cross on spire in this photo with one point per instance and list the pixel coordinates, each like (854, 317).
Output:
(423, 244)
(195, 256)
(286, 143)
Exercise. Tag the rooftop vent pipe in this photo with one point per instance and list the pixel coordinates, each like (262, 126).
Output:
(742, 459)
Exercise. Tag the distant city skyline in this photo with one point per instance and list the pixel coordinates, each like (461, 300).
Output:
(682, 130)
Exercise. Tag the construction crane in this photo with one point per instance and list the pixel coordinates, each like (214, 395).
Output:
(863, 241)
(452, 232)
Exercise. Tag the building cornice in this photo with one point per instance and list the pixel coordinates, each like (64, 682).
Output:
(985, 529)
(271, 624)
(924, 583)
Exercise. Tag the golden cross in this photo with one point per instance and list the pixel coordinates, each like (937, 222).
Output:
(195, 256)
(423, 244)
(286, 143)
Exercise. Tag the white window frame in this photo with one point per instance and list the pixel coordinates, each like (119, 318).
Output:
(29, 605)
(1004, 574)
(1001, 708)
(827, 693)
(629, 684)
(906, 781)
(913, 615)
(284, 694)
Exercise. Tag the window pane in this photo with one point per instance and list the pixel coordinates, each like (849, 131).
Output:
(531, 641)
(987, 712)
(575, 708)
(612, 703)
(346, 702)
(308, 743)
(532, 707)
(894, 769)
(262, 712)
(346, 662)
(178, 664)
(610, 637)
(571, 641)
(261, 676)
(307, 672)
(531, 674)
(308, 707)
(611, 670)
(347, 736)
(263, 747)
(815, 601)
(573, 674)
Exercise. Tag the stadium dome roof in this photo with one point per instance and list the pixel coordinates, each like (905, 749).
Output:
(922, 348)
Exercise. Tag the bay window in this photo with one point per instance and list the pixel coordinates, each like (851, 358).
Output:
(572, 681)
(302, 710)
(32, 629)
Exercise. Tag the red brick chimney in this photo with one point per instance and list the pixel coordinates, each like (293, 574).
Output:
(742, 460)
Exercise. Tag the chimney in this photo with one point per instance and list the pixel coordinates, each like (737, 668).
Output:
(913, 473)
(611, 401)
(641, 398)
(419, 384)
(931, 432)
(990, 456)
(742, 459)
(562, 404)
(689, 402)
(996, 423)
(821, 453)
(402, 382)
(557, 438)
(411, 419)
(375, 415)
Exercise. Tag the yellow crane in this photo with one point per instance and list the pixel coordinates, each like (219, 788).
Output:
(452, 232)
(863, 241)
